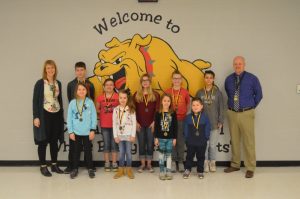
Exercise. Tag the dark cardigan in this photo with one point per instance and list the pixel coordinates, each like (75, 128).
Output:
(38, 112)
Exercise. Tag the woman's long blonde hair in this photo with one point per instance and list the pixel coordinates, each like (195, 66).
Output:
(52, 63)
(139, 97)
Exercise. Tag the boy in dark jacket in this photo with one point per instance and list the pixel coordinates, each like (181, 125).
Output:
(196, 132)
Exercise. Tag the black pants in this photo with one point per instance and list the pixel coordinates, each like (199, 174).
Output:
(42, 148)
(87, 147)
(70, 156)
(53, 128)
(199, 151)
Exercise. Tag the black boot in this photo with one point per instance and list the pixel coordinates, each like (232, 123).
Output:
(56, 169)
(74, 173)
(67, 170)
(45, 172)
(91, 173)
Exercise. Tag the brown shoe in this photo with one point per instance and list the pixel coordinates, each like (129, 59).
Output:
(249, 174)
(119, 173)
(231, 169)
(129, 172)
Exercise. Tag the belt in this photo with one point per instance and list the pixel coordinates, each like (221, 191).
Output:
(241, 109)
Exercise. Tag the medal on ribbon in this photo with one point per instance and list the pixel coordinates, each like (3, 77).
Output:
(208, 97)
(175, 99)
(120, 117)
(80, 109)
(196, 125)
(165, 123)
(146, 100)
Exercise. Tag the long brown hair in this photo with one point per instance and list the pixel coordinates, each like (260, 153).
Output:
(130, 102)
(139, 97)
(161, 105)
(52, 63)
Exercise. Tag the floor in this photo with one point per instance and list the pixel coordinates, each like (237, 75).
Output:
(268, 182)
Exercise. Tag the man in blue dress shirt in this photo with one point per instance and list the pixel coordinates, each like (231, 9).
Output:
(244, 94)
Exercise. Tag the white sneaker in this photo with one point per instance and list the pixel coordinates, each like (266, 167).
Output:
(212, 166)
(186, 174)
(200, 175)
(206, 166)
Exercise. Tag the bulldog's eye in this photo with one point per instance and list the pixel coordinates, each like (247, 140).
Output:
(102, 61)
(118, 61)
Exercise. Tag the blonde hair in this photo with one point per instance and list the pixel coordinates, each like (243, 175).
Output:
(52, 63)
(139, 97)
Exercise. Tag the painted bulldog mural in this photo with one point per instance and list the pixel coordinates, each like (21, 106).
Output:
(126, 61)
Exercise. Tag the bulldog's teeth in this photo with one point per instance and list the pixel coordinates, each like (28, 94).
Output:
(111, 77)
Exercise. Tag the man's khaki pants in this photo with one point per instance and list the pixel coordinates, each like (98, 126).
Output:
(241, 126)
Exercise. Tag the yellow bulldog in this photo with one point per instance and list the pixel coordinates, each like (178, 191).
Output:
(126, 61)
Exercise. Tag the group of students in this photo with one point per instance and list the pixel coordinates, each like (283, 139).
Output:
(155, 120)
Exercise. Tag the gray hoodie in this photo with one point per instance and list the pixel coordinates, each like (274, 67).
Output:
(214, 108)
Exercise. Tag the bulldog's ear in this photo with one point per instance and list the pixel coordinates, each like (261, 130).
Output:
(138, 41)
(114, 42)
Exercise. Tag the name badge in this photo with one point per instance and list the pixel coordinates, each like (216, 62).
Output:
(235, 98)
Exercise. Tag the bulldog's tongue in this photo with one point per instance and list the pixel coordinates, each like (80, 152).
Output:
(120, 82)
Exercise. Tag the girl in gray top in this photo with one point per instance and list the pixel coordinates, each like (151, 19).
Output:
(213, 107)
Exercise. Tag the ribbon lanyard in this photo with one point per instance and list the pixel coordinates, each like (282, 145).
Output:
(146, 100)
(107, 101)
(121, 115)
(176, 99)
(165, 121)
(80, 110)
(198, 121)
(211, 94)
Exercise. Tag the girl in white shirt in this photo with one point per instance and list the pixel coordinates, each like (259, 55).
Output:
(124, 130)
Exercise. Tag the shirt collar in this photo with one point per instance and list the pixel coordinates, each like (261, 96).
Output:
(240, 75)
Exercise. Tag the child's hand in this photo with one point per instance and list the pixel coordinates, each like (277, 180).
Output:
(36, 122)
(152, 127)
(72, 136)
(132, 139)
(117, 140)
(92, 135)
(174, 142)
(138, 127)
(156, 142)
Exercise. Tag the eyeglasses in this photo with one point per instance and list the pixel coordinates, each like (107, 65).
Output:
(145, 80)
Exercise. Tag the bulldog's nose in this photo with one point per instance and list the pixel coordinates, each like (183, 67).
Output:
(102, 67)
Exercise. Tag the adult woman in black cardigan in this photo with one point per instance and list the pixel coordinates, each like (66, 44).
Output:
(48, 122)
